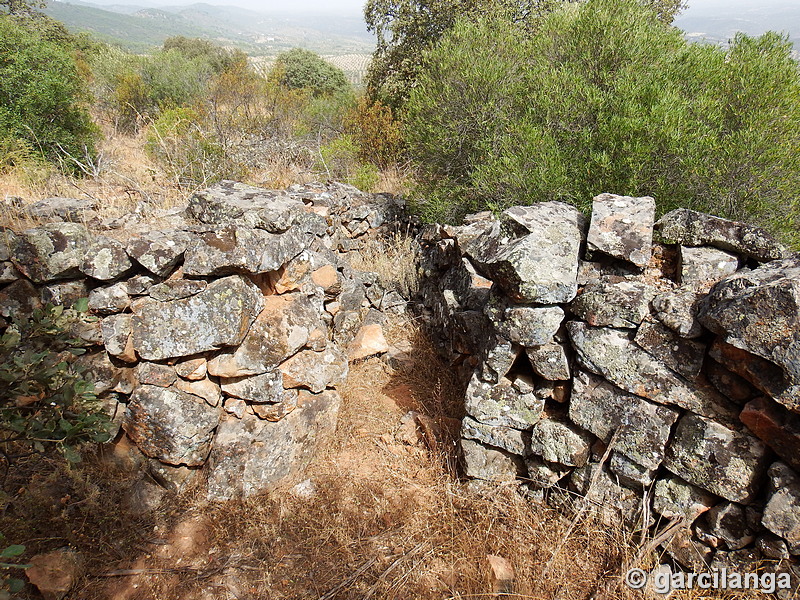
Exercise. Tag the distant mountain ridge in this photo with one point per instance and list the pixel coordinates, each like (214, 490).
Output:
(142, 28)
(718, 23)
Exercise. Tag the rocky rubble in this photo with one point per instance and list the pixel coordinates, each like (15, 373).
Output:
(670, 349)
(220, 339)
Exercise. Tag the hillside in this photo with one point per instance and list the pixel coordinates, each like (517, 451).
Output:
(140, 29)
(718, 23)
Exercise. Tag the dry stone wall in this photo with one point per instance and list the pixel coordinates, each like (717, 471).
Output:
(657, 378)
(221, 335)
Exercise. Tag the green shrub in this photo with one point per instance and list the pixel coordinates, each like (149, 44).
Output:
(190, 155)
(44, 401)
(299, 68)
(42, 96)
(607, 98)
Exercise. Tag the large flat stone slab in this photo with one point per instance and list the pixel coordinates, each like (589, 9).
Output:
(716, 458)
(622, 227)
(217, 317)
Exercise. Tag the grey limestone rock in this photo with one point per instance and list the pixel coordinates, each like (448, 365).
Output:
(490, 464)
(170, 425)
(560, 442)
(52, 251)
(677, 310)
(782, 512)
(623, 304)
(728, 522)
(550, 361)
(315, 370)
(502, 404)
(176, 289)
(716, 458)
(622, 227)
(683, 356)
(705, 265)
(526, 325)
(217, 317)
(109, 299)
(691, 228)
(673, 497)
(159, 251)
(106, 260)
(610, 353)
(602, 408)
(251, 455)
(265, 388)
(759, 311)
(506, 438)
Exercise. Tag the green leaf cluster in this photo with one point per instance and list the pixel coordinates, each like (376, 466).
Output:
(299, 68)
(43, 98)
(607, 98)
(44, 401)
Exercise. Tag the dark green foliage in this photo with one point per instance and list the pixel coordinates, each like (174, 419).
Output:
(607, 98)
(218, 58)
(41, 92)
(302, 69)
(406, 28)
(44, 401)
(21, 7)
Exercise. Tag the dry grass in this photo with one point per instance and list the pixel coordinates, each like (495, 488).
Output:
(387, 519)
(393, 259)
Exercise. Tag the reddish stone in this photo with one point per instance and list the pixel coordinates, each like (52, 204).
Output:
(776, 426)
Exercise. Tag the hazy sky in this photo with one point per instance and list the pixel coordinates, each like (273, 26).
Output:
(354, 7)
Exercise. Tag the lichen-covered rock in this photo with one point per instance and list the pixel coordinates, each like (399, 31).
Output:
(73, 210)
(700, 266)
(170, 425)
(622, 304)
(678, 311)
(691, 228)
(106, 260)
(265, 388)
(560, 442)
(159, 251)
(506, 438)
(278, 410)
(234, 249)
(759, 311)
(315, 370)
(217, 317)
(176, 289)
(8, 272)
(233, 202)
(192, 369)
(550, 361)
(718, 459)
(109, 299)
(106, 375)
(252, 455)
(471, 289)
(610, 353)
(782, 512)
(673, 497)
(139, 284)
(630, 473)
(282, 328)
(612, 502)
(543, 475)
(603, 409)
(155, 374)
(52, 251)
(526, 325)
(727, 521)
(776, 426)
(64, 293)
(490, 464)
(688, 551)
(18, 299)
(541, 266)
(622, 227)
(683, 356)
(504, 404)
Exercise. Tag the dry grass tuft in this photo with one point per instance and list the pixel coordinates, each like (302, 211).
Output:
(393, 259)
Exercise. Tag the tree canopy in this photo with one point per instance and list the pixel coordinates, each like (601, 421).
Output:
(406, 28)
(606, 98)
(299, 68)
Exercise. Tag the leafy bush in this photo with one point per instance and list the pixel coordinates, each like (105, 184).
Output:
(299, 68)
(607, 98)
(42, 95)
(44, 400)
(376, 132)
(191, 156)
